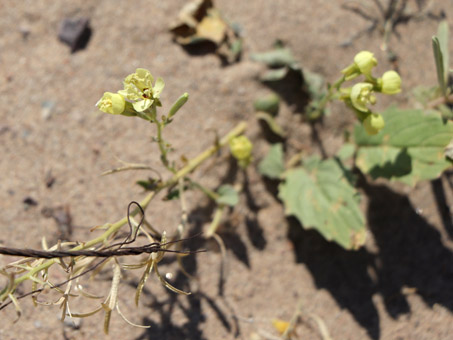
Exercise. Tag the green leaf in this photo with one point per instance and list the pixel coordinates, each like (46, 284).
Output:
(346, 151)
(320, 197)
(272, 165)
(315, 84)
(439, 60)
(227, 195)
(148, 185)
(269, 104)
(275, 74)
(442, 35)
(410, 148)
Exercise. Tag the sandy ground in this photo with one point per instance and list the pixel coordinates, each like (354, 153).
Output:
(397, 287)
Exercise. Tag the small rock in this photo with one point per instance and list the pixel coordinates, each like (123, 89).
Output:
(29, 202)
(49, 179)
(25, 32)
(75, 32)
(74, 323)
(62, 217)
(47, 109)
(4, 129)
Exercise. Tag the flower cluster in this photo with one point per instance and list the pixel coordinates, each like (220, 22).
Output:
(139, 97)
(361, 96)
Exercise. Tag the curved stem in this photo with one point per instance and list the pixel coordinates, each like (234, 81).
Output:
(215, 221)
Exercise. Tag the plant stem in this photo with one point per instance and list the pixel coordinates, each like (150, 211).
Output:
(328, 97)
(162, 147)
(215, 221)
(191, 165)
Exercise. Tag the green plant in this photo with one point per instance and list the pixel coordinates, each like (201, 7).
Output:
(401, 145)
(139, 98)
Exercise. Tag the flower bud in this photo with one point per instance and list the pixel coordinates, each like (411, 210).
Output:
(373, 123)
(241, 149)
(390, 83)
(361, 95)
(365, 62)
(113, 103)
(178, 104)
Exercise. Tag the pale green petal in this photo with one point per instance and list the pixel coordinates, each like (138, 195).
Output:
(131, 92)
(158, 87)
(142, 105)
(112, 103)
(129, 78)
(144, 79)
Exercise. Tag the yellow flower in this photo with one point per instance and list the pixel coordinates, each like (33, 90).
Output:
(362, 95)
(373, 123)
(280, 325)
(390, 83)
(139, 89)
(113, 103)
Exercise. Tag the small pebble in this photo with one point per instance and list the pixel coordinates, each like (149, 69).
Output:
(75, 32)
(47, 109)
(74, 323)
(29, 202)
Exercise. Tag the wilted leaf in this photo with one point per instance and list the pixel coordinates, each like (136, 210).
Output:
(410, 148)
(295, 85)
(275, 58)
(212, 28)
(199, 22)
(272, 165)
(192, 13)
(227, 195)
(273, 125)
(320, 197)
